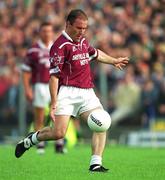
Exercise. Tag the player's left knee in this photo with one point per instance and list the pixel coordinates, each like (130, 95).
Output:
(99, 120)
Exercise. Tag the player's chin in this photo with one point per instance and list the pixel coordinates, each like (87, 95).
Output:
(77, 39)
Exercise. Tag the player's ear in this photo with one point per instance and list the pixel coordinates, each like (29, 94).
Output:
(67, 24)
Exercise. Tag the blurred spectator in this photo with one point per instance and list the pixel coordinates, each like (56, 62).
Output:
(149, 101)
(161, 102)
(126, 99)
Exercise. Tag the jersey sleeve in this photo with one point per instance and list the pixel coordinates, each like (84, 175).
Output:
(93, 52)
(56, 61)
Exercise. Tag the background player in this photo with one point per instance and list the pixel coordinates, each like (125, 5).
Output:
(36, 78)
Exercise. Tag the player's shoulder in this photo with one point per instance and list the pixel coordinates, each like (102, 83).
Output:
(62, 41)
(35, 48)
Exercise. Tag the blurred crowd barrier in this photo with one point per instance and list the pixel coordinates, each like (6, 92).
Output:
(133, 28)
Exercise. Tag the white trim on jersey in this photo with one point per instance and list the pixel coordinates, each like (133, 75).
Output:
(82, 42)
(54, 70)
(25, 67)
(94, 55)
(67, 36)
(70, 39)
(31, 50)
(65, 44)
(42, 45)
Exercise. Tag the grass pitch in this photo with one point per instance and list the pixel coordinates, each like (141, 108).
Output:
(124, 163)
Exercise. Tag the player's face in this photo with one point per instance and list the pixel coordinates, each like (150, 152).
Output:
(77, 29)
(46, 33)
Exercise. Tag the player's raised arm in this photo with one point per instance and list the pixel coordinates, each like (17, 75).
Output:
(117, 62)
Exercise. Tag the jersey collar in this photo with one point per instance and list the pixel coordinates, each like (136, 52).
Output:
(42, 45)
(67, 36)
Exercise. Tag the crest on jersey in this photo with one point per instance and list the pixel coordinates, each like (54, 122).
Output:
(56, 59)
(74, 49)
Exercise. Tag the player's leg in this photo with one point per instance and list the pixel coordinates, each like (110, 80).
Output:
(57, 131)
(91, 103)
(40, 101)
(48, 133)
(98, 144)
(59, 145)
(98, 139)
(39, 115)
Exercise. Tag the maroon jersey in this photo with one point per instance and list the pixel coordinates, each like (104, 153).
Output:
(69, 61)
(37, 62)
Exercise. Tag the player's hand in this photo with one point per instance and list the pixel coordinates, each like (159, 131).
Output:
(121, 62)
(29, 94)
(52, 112)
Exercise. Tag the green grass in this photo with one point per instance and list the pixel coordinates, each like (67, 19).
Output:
(124, 163)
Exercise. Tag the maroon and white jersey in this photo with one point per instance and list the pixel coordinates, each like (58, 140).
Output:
(37, 62)
(69, 61)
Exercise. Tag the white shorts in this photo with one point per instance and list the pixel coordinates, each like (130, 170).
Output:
(74, 101)
(41, 95)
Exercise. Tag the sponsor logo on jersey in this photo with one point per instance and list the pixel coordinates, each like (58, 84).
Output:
(83, 62)
(80, 56)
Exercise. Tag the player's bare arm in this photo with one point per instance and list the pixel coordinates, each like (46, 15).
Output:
(53, 88)
(117, 62)
(27, 85)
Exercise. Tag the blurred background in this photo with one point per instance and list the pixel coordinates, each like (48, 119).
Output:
(135, 97)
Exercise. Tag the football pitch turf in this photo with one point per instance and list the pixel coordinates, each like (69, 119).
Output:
(125, 163)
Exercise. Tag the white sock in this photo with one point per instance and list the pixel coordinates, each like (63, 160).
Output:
(96, 159)
(34, 138)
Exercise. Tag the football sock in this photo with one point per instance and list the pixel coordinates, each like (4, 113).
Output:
(34, 138)
(59, 145)
(41, 144)
(96, 159)
(60, 142)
